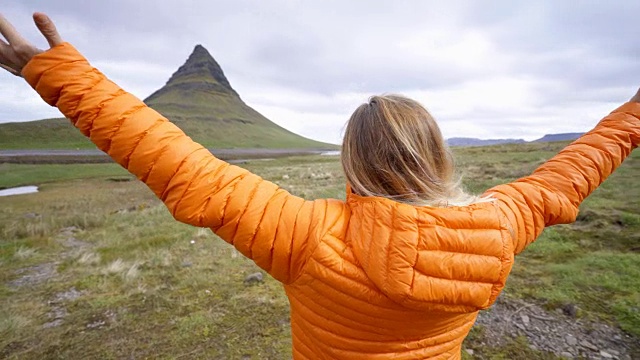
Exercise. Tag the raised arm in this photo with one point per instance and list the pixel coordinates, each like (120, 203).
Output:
(552, 194)
(264, 222)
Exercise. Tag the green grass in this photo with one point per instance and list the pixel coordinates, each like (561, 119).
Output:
(17, 174)
(212, 132)
(42, 134)
(159, 296)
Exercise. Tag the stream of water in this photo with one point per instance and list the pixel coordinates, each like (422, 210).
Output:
(19, 190)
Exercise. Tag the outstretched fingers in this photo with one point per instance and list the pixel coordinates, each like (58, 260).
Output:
(7, 61)
(48, 29)
(16, 51)
(9, 32)
(11, 70)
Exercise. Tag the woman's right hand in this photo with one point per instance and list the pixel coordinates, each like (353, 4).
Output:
(16, 51)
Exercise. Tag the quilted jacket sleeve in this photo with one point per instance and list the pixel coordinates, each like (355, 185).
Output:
(263, 222)
(552, 194)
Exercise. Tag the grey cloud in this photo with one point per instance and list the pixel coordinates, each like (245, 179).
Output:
(573, 51)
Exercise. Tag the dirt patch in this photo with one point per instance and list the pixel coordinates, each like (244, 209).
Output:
(559, 332)
(34, 275)
(58, 310)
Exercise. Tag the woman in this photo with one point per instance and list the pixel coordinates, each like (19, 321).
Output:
(402, 267)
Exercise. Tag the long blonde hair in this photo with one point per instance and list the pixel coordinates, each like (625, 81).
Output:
(393, 148)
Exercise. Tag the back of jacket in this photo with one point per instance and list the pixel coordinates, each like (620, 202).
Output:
(366, 278)
(390, 280)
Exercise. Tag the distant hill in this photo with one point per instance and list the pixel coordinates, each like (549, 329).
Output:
(42, 134)
(198, 98)
(462, 141)
(559, 137)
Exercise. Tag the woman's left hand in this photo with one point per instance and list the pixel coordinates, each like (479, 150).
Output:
(16, 51)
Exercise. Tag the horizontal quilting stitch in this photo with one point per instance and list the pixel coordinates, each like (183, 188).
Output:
(376, 292)
(450, 226)
(327, 297)
(87, 129)
(228, 181)
(206, 197)
(316, 327)
(255, 186)
(326, 260)
(275, 235)
(464, 222)
(311, 241)
(368, 326)
(506, 262)
(141, 137)
(479, 242)
(155, 160)
(118, 125)
(334, 242)
(593, 164)
(339, 280)
(436, 263)
(387, 249)
(257, 229)
(300, 344)
(56, 66)
(123, 142)
(469, 297)
(458, 252)
(96, 80)
(370, 347)
(53, 99)
(452, 301)
(316, 231)
(351, 268)
(199, 170)
(444, 252)
(618, 131)
(529, 203)
(633, 115)
(348, 334)
(294, 238)
(453, 281)
(368, 311)
(576, 170)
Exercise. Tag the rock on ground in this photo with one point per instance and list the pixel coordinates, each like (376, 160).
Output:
(559, 332)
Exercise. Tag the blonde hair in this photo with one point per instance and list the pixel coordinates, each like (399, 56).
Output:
(393, 148)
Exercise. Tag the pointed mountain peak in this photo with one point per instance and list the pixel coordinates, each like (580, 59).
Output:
(199, 72)
(200, 55)
(199, 49)
(202, 65)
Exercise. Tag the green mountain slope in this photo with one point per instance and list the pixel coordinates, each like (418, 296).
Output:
(42, 134)
(198, 98)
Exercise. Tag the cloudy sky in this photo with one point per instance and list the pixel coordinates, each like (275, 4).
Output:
(490, 69)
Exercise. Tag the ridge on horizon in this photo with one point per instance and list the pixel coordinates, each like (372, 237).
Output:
(469, 141)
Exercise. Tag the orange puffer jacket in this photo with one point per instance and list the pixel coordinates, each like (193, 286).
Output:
(366, 278)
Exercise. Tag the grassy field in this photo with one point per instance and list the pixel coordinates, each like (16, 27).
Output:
(24, 174)
(43, 134)
(212, 133)
(92, 268)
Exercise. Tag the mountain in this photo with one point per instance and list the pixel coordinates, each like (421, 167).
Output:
(559, 137)
(463, 141)
(198, 98)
